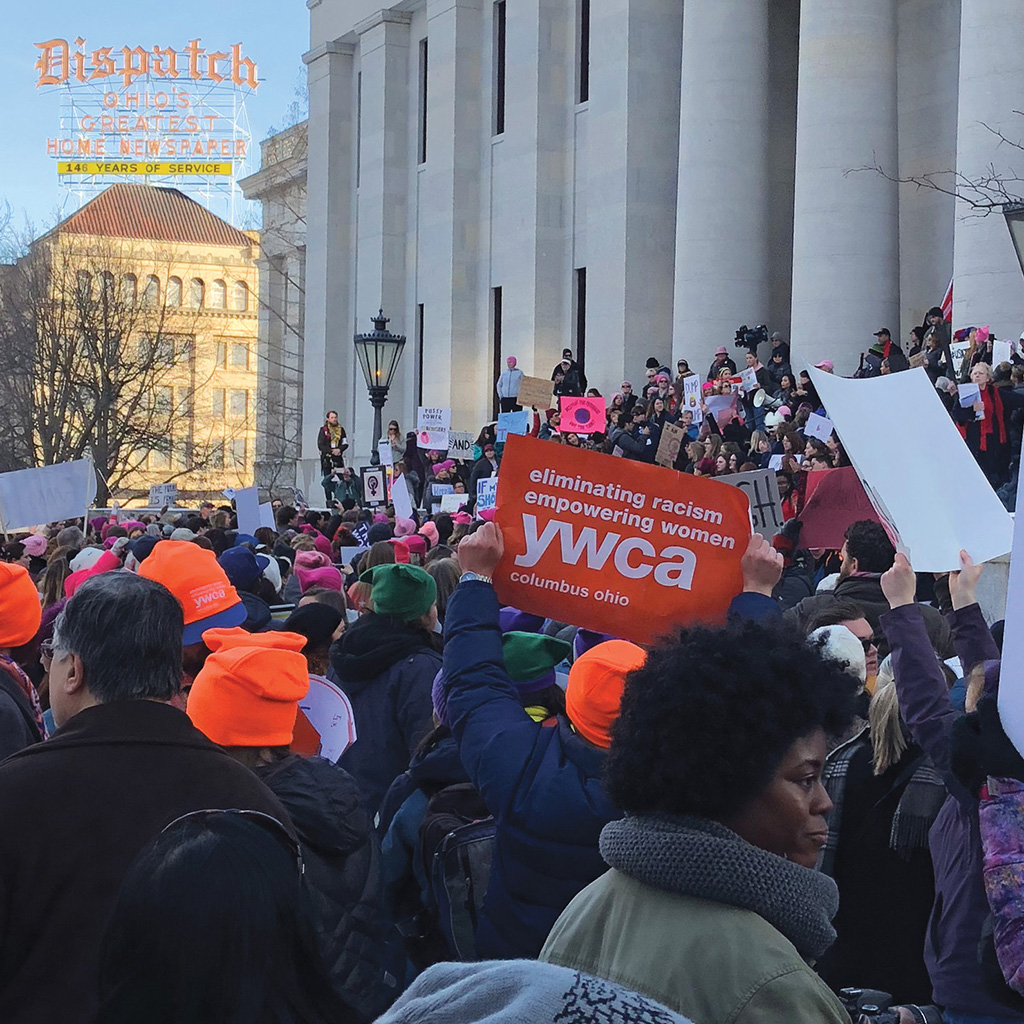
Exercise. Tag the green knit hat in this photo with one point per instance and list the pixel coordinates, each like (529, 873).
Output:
(403, 591)
(530, 659)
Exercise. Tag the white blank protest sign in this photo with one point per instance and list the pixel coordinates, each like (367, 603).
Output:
(818, 426)
(1011, 682)
(247, 508)
(934, 495)
(29, 497)
(401, 498)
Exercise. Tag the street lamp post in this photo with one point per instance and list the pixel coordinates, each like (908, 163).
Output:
(1014, 214)
(378, 351)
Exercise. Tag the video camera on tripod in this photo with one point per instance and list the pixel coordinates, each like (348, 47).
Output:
(750, 337)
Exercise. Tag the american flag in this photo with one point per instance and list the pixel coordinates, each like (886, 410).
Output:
(947, 303)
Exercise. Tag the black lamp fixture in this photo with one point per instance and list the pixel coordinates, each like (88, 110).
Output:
(378, 351)
(1014, 214)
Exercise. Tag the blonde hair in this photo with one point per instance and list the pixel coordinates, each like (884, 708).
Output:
(302, 542)
(887, 740)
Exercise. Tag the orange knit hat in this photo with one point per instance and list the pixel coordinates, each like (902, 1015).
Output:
(20, 611)
(247, 693)
(596, 682)
(193, 575)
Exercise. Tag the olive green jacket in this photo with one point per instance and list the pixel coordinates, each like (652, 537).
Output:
(708, 961)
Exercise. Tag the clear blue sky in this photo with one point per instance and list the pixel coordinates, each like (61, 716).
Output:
(274, 33)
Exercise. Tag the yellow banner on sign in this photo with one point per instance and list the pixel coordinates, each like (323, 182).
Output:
(184, 167)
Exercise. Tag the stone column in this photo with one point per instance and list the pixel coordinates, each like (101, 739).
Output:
(449, 188)
(631, 164)
(846, 215)
(328, 354)
(382, 201)
(722, 259)
(987, 285)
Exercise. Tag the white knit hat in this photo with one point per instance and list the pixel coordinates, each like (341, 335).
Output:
(843, 647)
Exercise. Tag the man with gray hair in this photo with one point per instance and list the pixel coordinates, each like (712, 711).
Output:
(77, 809)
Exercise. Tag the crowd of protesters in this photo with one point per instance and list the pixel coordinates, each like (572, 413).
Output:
(529, 821)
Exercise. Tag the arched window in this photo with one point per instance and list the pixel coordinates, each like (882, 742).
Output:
(83, 284)
(196, 293)
(107, 284)
(151, 296)
(240, 296)
(218, 295)
(174, 291)
(129, 289)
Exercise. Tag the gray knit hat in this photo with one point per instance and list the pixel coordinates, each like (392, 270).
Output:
(521, 992)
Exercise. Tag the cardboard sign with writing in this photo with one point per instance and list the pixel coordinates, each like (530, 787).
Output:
(162, 494)
(460, 444)
(432, 427)
(818, 426)
(619, 547)
(749, 377)
(958, 350)
(374, 490)
(834, 500)
(692, 394)
(582, 415)
(536, 392)
(486, 493)
(669, 445)
(512, 423)
(762, 490)
(453, 502)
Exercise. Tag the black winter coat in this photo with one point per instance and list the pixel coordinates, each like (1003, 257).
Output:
(75, 812)
(386, 668)
(342, 858)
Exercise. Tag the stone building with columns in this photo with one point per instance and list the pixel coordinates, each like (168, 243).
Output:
(636, 177)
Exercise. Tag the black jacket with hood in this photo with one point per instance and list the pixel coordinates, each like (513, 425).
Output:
(341, 854)
(386, 667)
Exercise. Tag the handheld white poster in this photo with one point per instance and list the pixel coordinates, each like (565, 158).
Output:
(934, 496)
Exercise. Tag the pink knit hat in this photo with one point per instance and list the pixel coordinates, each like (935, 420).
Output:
(404, 527)
(429, 530)
(311, 559)
(325, 576)
(35, 544)
(462, 519)
(379, 517)
(323, 545)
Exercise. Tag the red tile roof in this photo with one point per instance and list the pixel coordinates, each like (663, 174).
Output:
(144, 211)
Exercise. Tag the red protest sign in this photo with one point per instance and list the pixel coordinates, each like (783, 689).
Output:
(582, 415)
(613, 545)
(834, 499)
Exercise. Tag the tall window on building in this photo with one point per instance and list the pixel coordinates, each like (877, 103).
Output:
(496, 318)
(422, 144)
(220, 355)
(218, 403)
(196, 293)
(499, 67)
(582, 51)
(83, 285)
(129, 289)
(239, 404)
(580, 310)
(238, 453)
(218, 295)
(240, 296)
(419, 354)
(174, 291)
(151, 295)
(240, 356)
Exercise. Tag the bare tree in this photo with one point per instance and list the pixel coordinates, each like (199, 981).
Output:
(984, 193)
(99, 363)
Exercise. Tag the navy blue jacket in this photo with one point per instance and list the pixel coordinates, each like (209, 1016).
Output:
(541, 783)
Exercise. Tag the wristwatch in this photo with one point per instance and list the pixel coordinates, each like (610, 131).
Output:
(466, 576)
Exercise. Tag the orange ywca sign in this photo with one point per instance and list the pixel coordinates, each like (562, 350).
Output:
(616, 546)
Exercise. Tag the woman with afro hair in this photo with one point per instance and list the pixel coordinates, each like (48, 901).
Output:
(712, 904)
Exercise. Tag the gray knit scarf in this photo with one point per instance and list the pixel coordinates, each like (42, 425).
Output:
(697, 857)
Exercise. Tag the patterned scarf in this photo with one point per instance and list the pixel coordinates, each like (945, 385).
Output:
(14, 670)
(696, 857)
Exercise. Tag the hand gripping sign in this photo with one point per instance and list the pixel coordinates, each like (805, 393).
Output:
(614, 545)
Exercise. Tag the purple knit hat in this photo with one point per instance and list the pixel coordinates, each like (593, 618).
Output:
(512, 619)
(587, 638)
